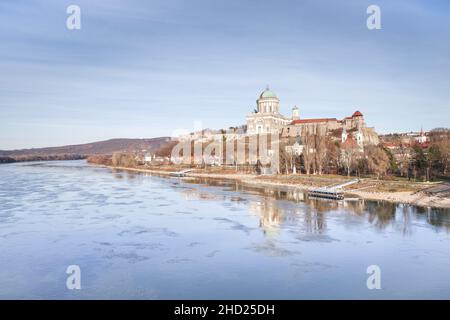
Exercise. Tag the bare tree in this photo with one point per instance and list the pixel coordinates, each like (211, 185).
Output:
(308, 150)
(444, 150)
(377, 160)
(124, 160)
(332, 161)
(403, 157)
(321, 150)
(349, 154)
(287, 157)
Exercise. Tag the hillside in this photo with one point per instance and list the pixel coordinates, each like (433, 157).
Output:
(94, 148)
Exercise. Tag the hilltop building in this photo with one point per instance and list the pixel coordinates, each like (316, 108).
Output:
(267, 119)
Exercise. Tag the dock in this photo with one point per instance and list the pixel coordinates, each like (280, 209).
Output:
(181, 173)
(439, 190)
(327, 193)
(334, 192)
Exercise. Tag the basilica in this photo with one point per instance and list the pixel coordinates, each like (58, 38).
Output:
(267, 118)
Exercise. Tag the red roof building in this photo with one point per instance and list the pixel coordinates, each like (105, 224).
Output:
(305, 121)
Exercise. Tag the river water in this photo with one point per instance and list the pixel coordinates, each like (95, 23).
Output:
(136, 236)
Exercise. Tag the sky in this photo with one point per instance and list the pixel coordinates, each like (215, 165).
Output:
(142, 69)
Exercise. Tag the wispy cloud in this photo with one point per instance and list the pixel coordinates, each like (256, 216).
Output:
(146, 68)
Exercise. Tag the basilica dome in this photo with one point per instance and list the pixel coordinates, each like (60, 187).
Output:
(268, 94)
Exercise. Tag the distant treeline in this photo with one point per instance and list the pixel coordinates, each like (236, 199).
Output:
(7, 160)
(82, 151)
(130, 159)
(42, 158)
(105, 160)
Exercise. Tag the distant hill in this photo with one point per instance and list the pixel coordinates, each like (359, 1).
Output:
(94, 148)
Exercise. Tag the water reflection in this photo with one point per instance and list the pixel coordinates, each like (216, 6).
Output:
(269, 213)
(312, 212)
(381, 214)
(153, 237)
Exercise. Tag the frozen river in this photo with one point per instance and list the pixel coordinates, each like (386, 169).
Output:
(136, 236)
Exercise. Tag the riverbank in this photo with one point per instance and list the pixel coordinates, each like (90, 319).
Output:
(405, 192)
(33, 158)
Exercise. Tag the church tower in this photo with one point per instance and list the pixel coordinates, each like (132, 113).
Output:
(295, 113)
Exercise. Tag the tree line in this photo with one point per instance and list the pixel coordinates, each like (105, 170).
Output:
(322, 154)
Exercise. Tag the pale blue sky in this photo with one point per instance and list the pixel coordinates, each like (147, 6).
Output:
(146, 68)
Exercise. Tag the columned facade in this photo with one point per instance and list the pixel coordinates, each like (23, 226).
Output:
(267, 118)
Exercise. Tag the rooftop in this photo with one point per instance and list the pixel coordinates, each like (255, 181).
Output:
(301, 121)
(267, 94)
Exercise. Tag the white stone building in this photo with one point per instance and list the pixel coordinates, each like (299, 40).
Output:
(267, 117)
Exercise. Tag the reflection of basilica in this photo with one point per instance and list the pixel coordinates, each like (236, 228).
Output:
(197, 194)
(269, 213)
(311, 214)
